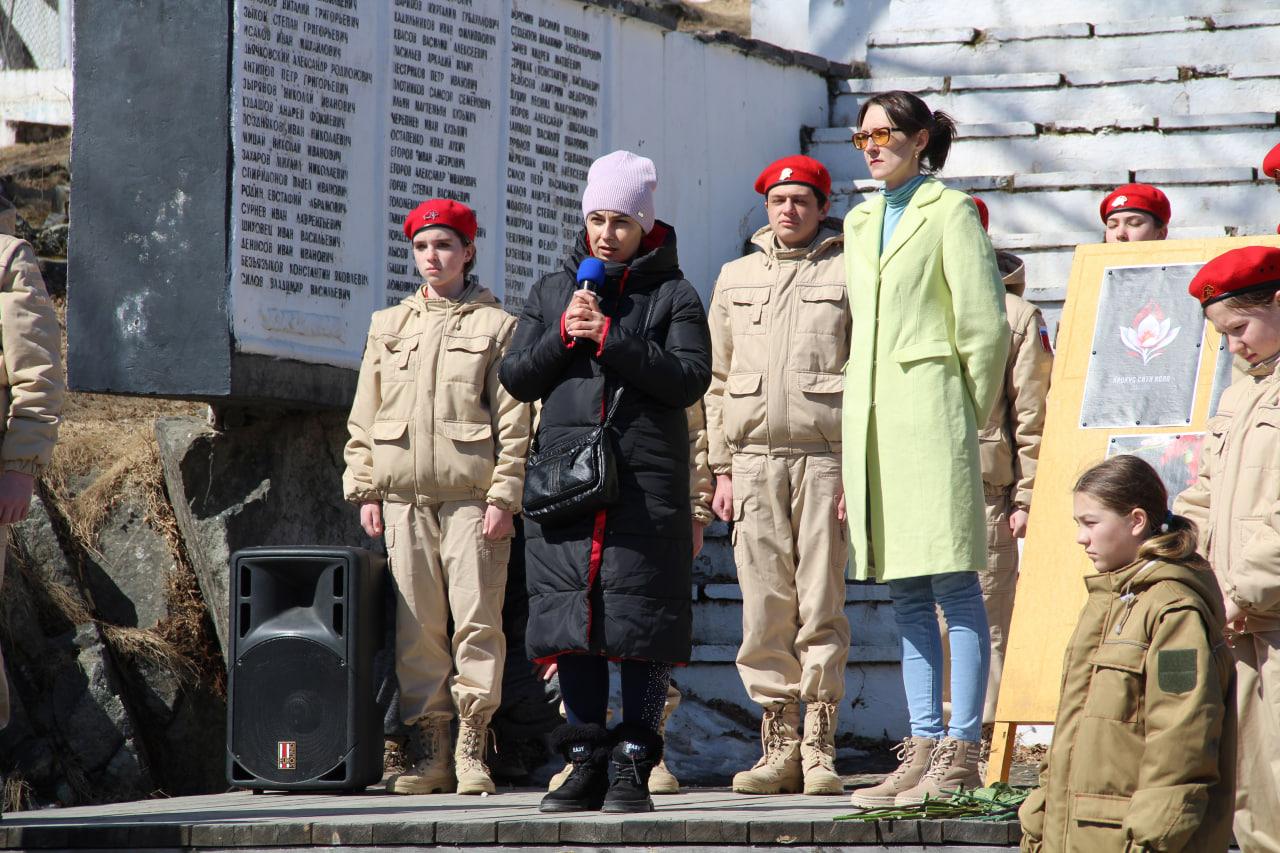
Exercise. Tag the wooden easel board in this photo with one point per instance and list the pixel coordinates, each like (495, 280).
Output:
(1051, 590)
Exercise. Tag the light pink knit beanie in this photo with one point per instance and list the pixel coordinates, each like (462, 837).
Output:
(622, 182)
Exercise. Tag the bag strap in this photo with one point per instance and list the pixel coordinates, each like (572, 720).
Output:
(613, 407)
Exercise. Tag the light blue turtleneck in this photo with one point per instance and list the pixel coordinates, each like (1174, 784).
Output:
(895, 202)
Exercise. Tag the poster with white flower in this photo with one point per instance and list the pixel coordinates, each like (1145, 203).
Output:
(1146, 349)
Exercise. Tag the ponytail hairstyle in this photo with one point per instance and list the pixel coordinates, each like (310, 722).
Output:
(1125, 483)
(911, 115)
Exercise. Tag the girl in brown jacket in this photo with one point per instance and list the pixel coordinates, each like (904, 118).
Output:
(1143, 744)
(1236, 504)
(435, 460)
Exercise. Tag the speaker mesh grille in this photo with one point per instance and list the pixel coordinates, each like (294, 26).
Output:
(294, 691)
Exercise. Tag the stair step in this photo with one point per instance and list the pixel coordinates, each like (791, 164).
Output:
(905, 14)
(1239, 139)
(1066, 204)
(874, 690)
(1250, 37)
(1090, 98)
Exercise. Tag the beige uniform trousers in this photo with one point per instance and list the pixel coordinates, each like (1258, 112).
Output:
(791, 553)
(1257, 821)
(999, 580)
(442, 565)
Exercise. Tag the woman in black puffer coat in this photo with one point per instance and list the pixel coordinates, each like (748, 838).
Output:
(615, 585)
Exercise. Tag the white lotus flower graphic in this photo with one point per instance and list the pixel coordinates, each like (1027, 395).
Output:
(1150, 334)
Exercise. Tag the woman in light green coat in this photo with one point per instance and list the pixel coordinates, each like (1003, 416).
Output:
(927, 357)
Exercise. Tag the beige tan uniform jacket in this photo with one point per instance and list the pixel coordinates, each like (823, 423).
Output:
(1235, 502)
(1144, 742)
(780, 337)
(1008, 448)
(31, 378)
(436, 438)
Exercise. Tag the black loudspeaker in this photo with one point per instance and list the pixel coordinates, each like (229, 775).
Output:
(304, 626)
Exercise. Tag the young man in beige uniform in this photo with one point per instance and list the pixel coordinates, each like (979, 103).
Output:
(780, 337)
(436, 460)
(32, 382)
(1009, 448)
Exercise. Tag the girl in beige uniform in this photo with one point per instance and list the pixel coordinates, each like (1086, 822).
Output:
(1236, 503)
(436, 461)
(1143, 744)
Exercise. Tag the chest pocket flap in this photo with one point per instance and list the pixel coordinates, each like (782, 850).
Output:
(1126, 655)
(749, 295)
(1115, 689)
(478, 343)
(748, 307)
(1268, 415)
(822, 292)
(399, 349)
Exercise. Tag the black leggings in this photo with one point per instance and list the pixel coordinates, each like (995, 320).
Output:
(584, 686)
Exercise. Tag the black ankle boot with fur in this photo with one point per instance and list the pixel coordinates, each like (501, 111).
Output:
(636, 750)
(587, 749)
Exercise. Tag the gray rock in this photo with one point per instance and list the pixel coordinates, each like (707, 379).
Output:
(274, 481)
(70, 720)
(129, 581)
(183, 722)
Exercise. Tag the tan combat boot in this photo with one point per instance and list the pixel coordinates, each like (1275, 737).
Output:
(778, 770)
(468, 757)
(954, 764)
(433, 772)
(913, 753)
(818, 749)
(662, 780)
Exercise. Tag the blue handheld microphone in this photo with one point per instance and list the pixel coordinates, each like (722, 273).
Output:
(591, 275)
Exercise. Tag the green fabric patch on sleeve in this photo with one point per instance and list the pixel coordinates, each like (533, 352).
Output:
(1177, 670)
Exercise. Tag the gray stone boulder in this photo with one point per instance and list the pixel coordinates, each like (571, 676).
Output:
(72, 737)
(129, 576)
(273, 481)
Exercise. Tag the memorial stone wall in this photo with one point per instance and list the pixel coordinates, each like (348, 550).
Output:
(342, 116)
(345, 115)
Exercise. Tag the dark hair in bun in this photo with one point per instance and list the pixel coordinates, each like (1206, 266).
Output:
(911, 115)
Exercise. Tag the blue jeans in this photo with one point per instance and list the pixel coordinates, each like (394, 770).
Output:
(960, 596)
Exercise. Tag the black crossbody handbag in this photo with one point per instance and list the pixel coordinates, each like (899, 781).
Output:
(575, 478)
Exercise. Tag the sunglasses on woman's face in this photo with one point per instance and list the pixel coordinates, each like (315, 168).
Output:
(878, 135)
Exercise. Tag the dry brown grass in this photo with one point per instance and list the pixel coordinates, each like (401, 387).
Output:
(17, 794)
(106, 448)
(731, 15)
(54, 154)
(106, 453)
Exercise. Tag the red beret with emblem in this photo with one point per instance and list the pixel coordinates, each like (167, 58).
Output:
(797, 169)
(1271, 163)
(1236, 272)
(442, 211)
(982, 211)
(1142, 197)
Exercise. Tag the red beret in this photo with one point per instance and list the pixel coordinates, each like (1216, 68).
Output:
(797, 169)
(982, 211)
(1142, 197)
(442, 211)
(1236, 272)
(1271, 163)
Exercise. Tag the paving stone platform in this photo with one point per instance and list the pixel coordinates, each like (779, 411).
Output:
(705, 820)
